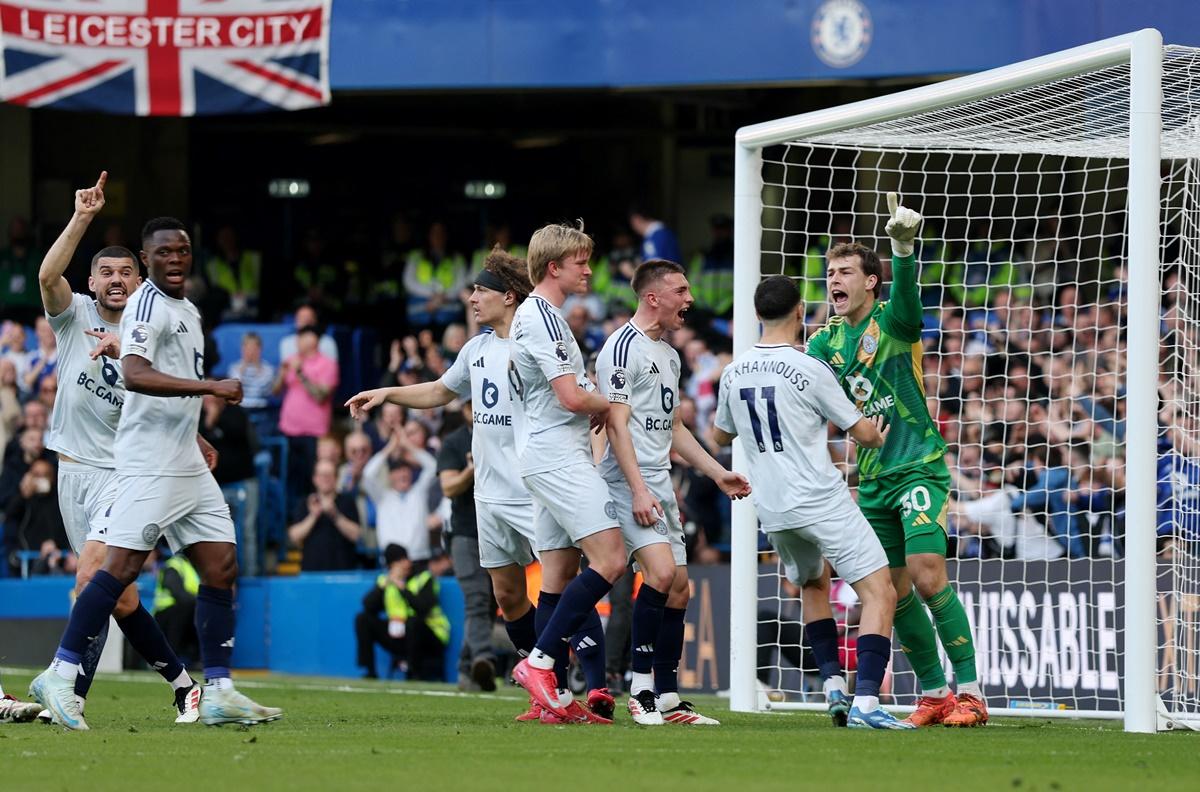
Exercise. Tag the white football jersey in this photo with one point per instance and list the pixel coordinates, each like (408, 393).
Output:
(157, 434)
(548, 436)
(779, 401)
(91, 393)
(636, 370)
(481, 372)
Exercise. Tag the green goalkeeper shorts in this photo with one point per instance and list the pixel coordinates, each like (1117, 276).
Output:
(908, 510)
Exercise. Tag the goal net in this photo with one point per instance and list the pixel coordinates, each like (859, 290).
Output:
(1061, 282)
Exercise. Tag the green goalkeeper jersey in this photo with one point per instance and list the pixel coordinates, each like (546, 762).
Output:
(878, 364)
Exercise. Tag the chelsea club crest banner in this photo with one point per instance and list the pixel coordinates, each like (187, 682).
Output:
(165, 57)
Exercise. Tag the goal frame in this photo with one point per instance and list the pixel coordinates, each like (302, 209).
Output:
(1143, 51)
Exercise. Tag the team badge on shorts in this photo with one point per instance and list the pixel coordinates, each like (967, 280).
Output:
(151, 533)
(869, 344)
(660, 526)
(610, 509)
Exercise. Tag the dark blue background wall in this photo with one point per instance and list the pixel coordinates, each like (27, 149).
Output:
(600, 43)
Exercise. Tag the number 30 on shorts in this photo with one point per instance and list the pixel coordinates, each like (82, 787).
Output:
(916, 499)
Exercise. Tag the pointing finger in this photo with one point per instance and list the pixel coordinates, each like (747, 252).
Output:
(103, 178)
(893, 201)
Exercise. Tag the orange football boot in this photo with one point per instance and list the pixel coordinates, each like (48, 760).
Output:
(931, 711)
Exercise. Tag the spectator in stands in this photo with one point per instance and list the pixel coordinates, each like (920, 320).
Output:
(48, 391)
(306, 316)
(589, 337)
(389, 419)
(256, 375)
(227, 427)
(453, 339)
(12, 348)
(19, 262)
(10, 402)
(317, 275)
(658, 241)
(401, 495)
(612, 273)
(412, 627)
(176, 588)
(386, 299)
(433, 278)
(237, 272)
(711, 272)
(358, 451)
(22, 451)
(456, 471)
(307, 381)
(326, 525)
(329, 449)
(43, 361)
(33, 522)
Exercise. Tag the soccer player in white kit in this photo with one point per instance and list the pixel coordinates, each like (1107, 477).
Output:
(553, 407)
(163, 486)
(779, 401)
(503, 508)
(638, 371)
(83, 427)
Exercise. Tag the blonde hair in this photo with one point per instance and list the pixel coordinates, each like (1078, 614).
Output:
(555, 242)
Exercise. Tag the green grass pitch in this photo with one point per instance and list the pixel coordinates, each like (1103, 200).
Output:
(340, 735)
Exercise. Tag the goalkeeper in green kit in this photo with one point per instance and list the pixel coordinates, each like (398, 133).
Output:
(874, 348)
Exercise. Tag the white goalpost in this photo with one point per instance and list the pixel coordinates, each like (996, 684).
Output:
(1060, 269)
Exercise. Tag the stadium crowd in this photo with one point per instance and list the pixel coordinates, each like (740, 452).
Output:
(1022, 370)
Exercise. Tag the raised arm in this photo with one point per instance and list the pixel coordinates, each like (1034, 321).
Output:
(905, 305)
(56, 292)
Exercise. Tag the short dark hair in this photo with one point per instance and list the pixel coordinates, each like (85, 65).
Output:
(114, 252)
(393, 553)
(161, 224)
(308, 328)
(652, 270)
(871, 265)
(775, 297)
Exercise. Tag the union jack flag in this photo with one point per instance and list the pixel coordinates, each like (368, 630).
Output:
(165, 57)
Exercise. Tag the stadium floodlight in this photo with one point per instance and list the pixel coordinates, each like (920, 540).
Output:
(1082, 162)
(289, 188)
(485, 190)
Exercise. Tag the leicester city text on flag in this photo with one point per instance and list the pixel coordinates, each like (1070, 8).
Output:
(165, 57)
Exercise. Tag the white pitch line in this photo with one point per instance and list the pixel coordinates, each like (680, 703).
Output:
(148, 678)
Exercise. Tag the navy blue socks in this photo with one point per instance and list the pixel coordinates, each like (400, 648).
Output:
(873, 654)
(668, 650)
(214, 625)
(822, 636)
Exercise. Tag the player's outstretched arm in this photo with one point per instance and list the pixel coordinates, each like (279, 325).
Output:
(870, 432)
(684, 443)
(141, 377)
(56, 292)
(423, 396)
(902, 227)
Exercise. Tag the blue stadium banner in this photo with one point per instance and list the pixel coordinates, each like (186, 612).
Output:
(165, 57)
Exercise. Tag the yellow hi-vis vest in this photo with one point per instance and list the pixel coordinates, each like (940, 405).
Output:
(397, 607)
(712, 288)
(236, 277)
(163, 598)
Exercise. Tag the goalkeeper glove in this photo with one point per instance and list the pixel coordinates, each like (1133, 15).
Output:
(902, 227)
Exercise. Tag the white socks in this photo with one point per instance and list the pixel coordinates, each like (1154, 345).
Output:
(221, 683)
(641, 682)
(539, 659)
(837, 683)
(866, 703)
(971, 689)
(941, 692)
(182, 681)
(68, 671)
